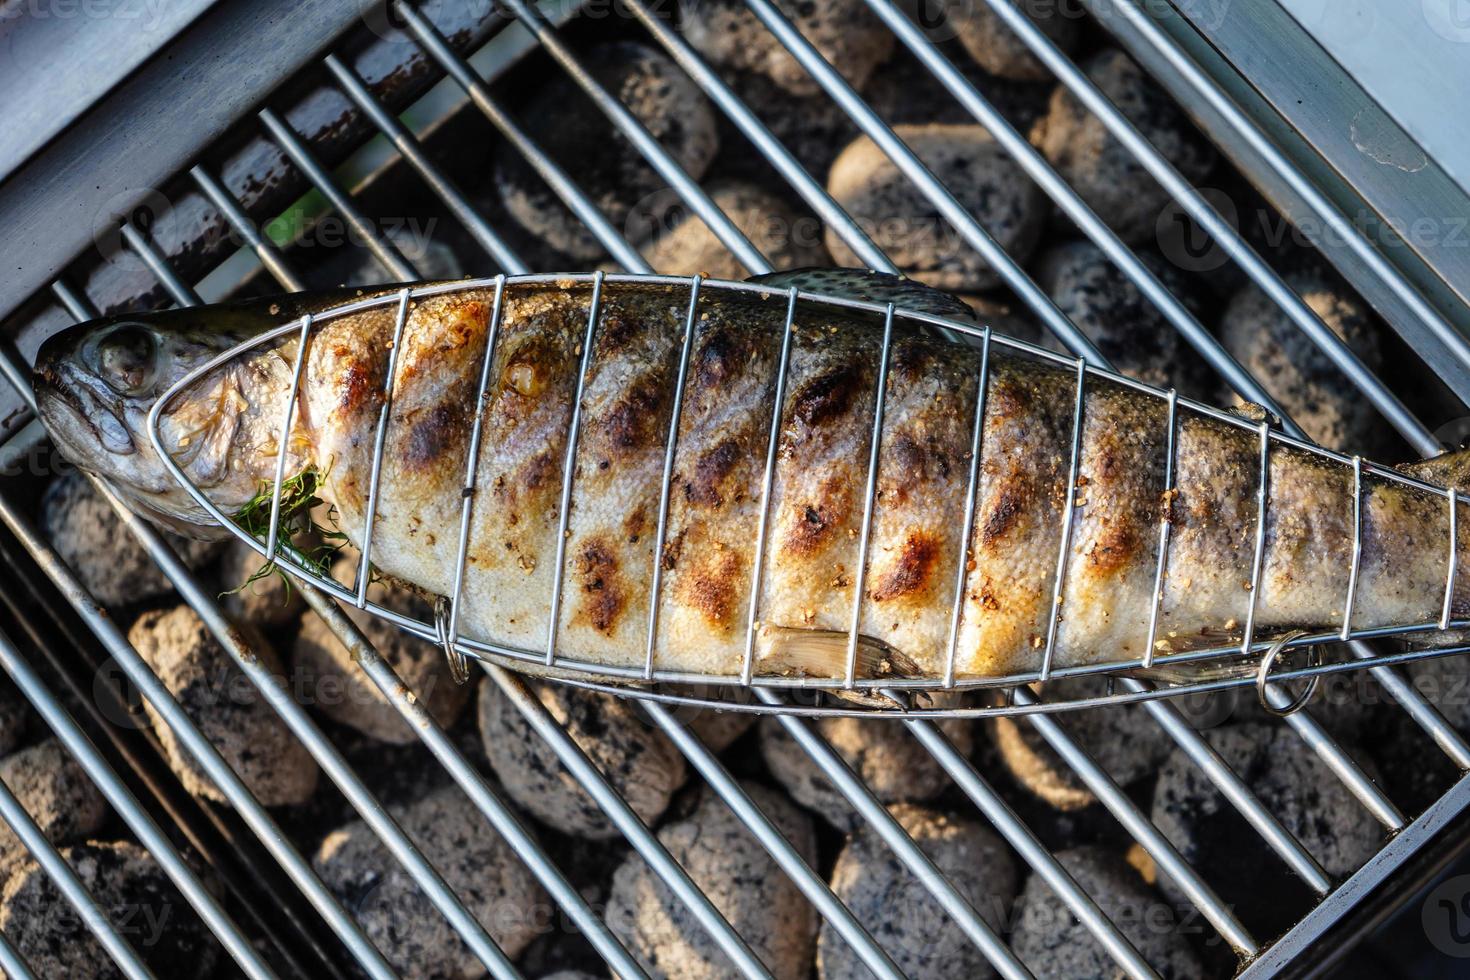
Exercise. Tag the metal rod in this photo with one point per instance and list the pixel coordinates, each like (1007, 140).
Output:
(1234, 789)
(870, 497)
(1069, 509)
(1357, 559)
(270, 256)
(1025, 843)
(1166, 522)
(667, 484)
(380, 437)
(499, 814)
(284, 445)
(561, 183)
(126, 805)
(383, 249)
(472, 462)
(1337, 759)
(628, 124)
(1253, 587)
(801, 874)
(1338, 225)
(645, 843)
(14, 965)
(1453, 560)
(962, 570)
(93, 915)
(568, 470)
(773, 441)
(412, 152)
(1122, 807)
(781, 159)
(955, 905)
(912, 167)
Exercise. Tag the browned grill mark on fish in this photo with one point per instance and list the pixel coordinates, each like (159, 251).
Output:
(1003, 510)
(631, 424)
(826, 397)
(817, 520)
(911, 573)
(431, 436)
(712, 471)
(718, 357)
(711, 589)
(604, 593)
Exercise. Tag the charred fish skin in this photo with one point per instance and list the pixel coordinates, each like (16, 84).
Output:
(809, 581)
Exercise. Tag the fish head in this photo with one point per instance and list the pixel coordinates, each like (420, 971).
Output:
(96, 384)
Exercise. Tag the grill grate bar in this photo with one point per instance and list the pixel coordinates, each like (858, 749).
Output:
(817, 891)
(148, 684)
(411, 150)
(687, 188)
(959, 910)
(561, 183)
(270, 256)
(1339, 226)
(71, 887)
(126, 806)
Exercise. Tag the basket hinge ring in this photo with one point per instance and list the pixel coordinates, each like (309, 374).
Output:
(459, 667)
(1263, 674)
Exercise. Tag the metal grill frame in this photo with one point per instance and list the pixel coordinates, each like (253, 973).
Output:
(1260, 957)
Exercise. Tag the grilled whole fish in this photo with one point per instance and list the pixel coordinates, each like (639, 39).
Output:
(96, 383)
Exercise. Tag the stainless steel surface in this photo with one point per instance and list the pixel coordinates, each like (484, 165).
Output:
(1264, 958)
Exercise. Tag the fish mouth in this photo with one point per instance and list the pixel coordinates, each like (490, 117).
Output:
(79, 420)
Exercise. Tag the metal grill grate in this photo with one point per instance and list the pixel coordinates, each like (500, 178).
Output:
(1259, 956)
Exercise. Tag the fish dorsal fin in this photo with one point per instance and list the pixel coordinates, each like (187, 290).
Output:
(871, 287)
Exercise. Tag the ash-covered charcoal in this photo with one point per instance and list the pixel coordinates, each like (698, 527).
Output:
(885, 756)
(1050, 940)
(788, 239)
(110, 562)
(902, 221)
(902, 915)
(740, 878)
(905, 92)
(251, 593)
(475, 862)
(846, 32)
(1000, 50)
(55, 791)
(1127, 327)
(1099, 168)
(718, 730)
(1296, 373)
(226, 707)
(1124, 740)
(574, 133)
(138, 898)
(1294, 784)
(638, 760)
(336, 686)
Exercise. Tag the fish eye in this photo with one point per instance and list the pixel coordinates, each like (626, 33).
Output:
(125, 359)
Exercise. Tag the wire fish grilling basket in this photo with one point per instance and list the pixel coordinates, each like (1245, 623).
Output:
(1255, 657)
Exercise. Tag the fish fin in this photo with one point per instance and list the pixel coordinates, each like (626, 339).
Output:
(785, 651)
(871, 287)
(1451, 469)
(1252, 412)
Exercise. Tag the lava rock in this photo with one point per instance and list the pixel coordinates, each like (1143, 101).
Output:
(901, 914)
(787, 239)
(1293, 783)
(225, 706)
(251, 594)
(638, 760)
(1000, 50)
(1124, 740)
(55, 791)
(813, 128)
(475, 862)
(336, 686)
(740, 878)
(140, 902)
(845, 32)
(1296, 373)
(884, 755)
(108, 560)
(1127, 327)
(904, 224)
(1106, 175)
(574, 133)
(1050, 940)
